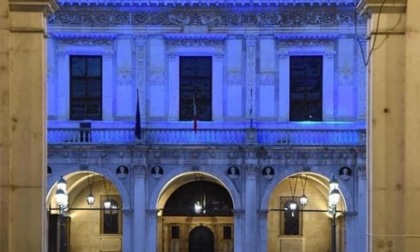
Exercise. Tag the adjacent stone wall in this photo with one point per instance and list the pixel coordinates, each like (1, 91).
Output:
(22, 130)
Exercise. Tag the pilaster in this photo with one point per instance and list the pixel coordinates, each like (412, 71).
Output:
(251, 203)
(139, 215)
(389, 170)
(250, 79)
(22, 131)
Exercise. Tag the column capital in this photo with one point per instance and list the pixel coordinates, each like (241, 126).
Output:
(139, 171)
(251, 170)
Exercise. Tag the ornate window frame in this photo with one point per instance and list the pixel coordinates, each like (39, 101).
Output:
(308, 45)
(194, 45)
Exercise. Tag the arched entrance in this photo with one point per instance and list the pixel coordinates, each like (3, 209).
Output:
(296, 228)
(85, 225)
(201, 239)
(195, 214)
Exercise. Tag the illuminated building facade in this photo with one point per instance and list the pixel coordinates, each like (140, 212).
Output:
(201, 122)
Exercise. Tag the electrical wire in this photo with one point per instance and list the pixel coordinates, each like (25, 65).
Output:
(366, 60)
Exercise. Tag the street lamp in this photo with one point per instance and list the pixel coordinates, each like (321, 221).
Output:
(61, 197)
(333, 200)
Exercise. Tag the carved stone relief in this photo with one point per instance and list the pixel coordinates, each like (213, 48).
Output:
(295, 17)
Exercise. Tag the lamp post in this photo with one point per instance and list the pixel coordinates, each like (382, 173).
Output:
(333, 200)
(61, 197)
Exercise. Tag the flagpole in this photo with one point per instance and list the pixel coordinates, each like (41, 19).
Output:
(195, 116)
(137, 129)
(251, 123)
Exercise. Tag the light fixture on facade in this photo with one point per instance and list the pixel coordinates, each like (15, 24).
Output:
(107, 202)
(292, 207)
(90, 198)
(333, 200)
(333, 184)
(198, 207)
(61, 196)
(62, 184)
(303, 200)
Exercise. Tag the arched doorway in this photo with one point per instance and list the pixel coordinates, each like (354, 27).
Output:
(195, 214)
(82, 224)
(201, 239)
(296, 228)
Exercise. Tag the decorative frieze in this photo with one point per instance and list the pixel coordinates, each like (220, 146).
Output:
(294, 17)
(306, 42)
(207, 3)
(87, 41)
(193, 42)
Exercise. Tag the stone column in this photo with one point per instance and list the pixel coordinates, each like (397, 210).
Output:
(23, 150)
(127, 230)
(238, 234)
(139, 214)
(394, 136)
(262, 220)
(151, 239)
(251, 205)
(412, 129)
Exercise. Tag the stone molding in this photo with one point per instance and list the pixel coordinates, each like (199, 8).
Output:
(369, 6)
(215, 17)
(202, 159)
(45, 6)
(208, 3)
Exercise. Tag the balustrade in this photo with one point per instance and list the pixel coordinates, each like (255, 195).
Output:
(206, 136)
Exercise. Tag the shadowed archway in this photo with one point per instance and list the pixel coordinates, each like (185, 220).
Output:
(201, 239)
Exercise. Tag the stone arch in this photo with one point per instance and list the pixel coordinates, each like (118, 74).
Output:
(326, 173)
(168, 178)
(110, 175)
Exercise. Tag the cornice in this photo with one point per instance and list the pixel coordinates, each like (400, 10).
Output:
(205, 17)
(72, 35)
(389, 6)
(45, 6)
(197, 36)
(307, 35)
(201, 3)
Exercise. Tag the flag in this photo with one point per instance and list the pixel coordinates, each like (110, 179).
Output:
(195, 115)
(137, 129)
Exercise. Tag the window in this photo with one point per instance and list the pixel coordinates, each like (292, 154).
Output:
(305, 88)
(111, 218)
(290, 220)
(85, 88)
(175, 232)
(227, 232)
(195, 80)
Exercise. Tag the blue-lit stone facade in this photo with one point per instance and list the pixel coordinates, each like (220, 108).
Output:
(250, 48)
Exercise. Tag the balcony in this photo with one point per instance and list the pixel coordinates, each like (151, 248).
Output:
(307, 137)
